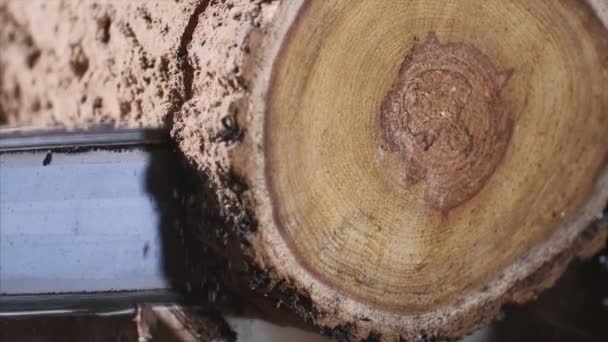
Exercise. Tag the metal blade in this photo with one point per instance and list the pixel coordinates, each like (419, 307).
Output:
(79, 226)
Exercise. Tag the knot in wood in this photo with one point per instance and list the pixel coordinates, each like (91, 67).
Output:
(446, 118)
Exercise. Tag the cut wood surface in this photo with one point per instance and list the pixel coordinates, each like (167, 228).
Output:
(386, 169)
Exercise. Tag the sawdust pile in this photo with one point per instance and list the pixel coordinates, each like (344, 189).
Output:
(116, 63)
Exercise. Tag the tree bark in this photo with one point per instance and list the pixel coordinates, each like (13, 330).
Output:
(397, 169)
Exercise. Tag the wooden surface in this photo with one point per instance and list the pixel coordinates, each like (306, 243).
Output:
(421, 163)
(380, 215)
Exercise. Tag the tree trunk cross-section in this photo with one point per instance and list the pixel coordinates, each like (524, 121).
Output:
(412, 165)
(389, 170)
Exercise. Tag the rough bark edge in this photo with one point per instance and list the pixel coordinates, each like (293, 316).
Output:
(285, 281)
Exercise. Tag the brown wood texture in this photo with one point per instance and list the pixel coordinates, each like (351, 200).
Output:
(405, 168)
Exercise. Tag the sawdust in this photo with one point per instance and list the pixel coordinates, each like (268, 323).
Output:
(85, 63)
(80, 64)
(207, 126)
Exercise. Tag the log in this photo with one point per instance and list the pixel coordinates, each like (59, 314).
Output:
(392, 170)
